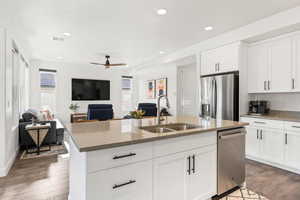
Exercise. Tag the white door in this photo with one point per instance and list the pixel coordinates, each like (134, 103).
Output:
(187, 90)
(258, 68)
(131, 182)
(281, 65)
(272, 145)
(202, 182)
(292, 149)
(296, 64)
(170, 177)
(252, 141)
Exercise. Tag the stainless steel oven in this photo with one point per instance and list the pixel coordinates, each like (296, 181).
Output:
(231, 159)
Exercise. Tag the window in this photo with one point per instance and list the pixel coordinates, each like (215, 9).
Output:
(126, 95)
(48, 89)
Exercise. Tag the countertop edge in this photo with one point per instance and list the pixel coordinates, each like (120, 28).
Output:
(270, 118)
(162, 137)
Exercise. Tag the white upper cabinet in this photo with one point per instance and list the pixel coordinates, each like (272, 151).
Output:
(280, 66)
(220, 60)
(273, 65)
(296, 64)
(258, 67)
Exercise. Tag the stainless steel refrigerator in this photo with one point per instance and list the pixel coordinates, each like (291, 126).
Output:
(220, 96)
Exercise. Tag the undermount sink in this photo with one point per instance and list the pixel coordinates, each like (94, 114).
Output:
(165, 128)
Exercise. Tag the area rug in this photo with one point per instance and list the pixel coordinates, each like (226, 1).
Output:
(244, 194)
(55, 150)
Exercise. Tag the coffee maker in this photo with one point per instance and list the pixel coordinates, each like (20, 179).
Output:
(259, 107)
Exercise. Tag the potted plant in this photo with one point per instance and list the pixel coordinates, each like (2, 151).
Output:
(137, 114)
(74, 107)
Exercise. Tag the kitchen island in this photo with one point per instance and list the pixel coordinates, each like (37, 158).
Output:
(137, 160)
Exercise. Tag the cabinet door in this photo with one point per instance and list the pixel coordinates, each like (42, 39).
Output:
(296, 64)
(170, 177)
(131, 182)
(209, 60)
(292, 149)
(228, 57)
(272, 145)
(252, 142)
(258, 68)
(281, 65)
(202, 182)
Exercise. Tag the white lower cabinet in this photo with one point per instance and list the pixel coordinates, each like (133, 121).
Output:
(252, 141)
(273, 145)
(292, 149)
(170, 177)
(131, 182)
(191, 175)
(202, 183)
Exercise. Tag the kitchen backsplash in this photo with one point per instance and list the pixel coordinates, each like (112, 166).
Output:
(286, 101)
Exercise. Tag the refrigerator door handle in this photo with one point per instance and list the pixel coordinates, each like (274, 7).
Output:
(214, 98)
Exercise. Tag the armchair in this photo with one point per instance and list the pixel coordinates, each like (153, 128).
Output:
(149, 108)
(100, 112)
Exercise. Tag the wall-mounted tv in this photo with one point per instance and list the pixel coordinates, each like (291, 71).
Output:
(90, 90)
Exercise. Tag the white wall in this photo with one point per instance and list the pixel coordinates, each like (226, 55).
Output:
(140, 76)
(285, 102)
(65, 73)
(2, 102)
(9, 102)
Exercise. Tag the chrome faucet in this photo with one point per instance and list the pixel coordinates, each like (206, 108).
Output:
(158, 107)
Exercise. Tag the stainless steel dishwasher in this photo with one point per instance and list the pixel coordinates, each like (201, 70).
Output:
(231, 159)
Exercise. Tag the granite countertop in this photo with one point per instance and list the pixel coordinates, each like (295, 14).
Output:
(278, 115)
(90, 136)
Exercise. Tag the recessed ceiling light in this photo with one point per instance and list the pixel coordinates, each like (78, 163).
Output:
(162, 11)
(59, 57)
(161, 52)
(67, 34)
(208, 28)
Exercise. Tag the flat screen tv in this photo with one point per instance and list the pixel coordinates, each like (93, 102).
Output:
(90, 90)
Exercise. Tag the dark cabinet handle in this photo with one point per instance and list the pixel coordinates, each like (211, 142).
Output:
(257, 132)
(189, 165)
(123, 184)
(194, 170)
(286, 138)
(265, 87)
(293, 83)
(124, 156)
(261, 134)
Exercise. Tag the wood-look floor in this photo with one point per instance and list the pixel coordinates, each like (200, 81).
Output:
(271, 182)
(47, 179)
(43, 178)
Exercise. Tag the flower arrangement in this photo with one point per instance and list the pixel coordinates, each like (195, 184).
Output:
(74, 107)
(137, 114)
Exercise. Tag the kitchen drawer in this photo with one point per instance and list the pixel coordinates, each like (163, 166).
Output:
(184, 143)
(131, 182)
(108, 158)
(265, 123)
(292, 126)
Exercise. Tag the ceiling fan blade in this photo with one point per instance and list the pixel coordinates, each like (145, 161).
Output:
(93, 63)
(119, 64)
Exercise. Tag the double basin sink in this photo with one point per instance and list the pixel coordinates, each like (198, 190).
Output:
(166, 128)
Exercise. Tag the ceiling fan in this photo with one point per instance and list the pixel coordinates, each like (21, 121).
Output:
(108, 64)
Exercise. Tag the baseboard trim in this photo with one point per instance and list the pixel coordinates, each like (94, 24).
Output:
(290, 169)
(4, 170)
